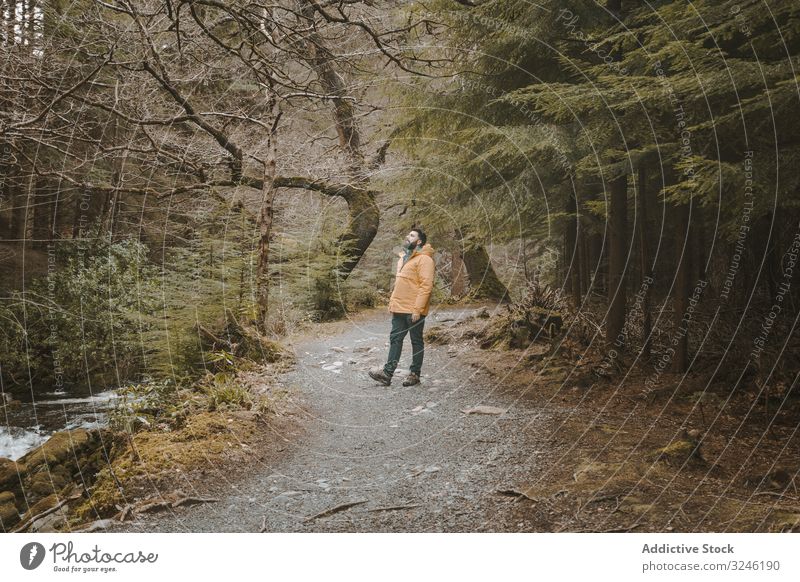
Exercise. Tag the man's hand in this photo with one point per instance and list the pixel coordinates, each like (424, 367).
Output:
(414, 317)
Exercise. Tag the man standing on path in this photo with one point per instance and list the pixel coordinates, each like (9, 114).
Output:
(409, 304)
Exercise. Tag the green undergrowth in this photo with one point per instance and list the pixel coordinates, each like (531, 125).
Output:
(164, 429)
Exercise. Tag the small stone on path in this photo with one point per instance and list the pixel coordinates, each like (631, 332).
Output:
(484, 410)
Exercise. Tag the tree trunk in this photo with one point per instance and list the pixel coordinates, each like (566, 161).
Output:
(61, 215)
(6, 188)
(698, 242)
(588, 264)
(681, 289)
(109, 211)
(31, 23)
(11, 17)
(618, 226)
(364, 215)
(571, 258)
(644, 263)
(618, 238)
(19, 227)
(265, 215)
(43, 206)
(76, 215)
(772, 258)
(361, 230)
(583, 259)
(484, 283)
(459, 280)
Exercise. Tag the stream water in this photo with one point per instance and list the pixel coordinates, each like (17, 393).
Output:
(28, 424)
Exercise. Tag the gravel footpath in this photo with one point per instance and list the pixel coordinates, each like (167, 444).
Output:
(407, 458)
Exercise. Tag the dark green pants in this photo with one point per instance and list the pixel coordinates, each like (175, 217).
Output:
(401, 325)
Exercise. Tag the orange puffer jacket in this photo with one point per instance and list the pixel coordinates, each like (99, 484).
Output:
(413, 283)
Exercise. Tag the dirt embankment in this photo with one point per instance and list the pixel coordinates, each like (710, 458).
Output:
(630, 454)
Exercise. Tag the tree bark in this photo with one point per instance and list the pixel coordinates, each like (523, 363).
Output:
(11, 17)
(644, 263)
(323, 63)
(43, 209)
(618, 226)
(18, 215)
(459, 280)
(265, 218)
(6, 187)
(361, 230)
(618, 238)
(571, 258)
(484, 283)
(7, 190)
(583, 259)
(364, 215)
(681, 289)
(772, 270)
(588, 265)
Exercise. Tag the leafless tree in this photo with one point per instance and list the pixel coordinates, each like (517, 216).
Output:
(122, 98)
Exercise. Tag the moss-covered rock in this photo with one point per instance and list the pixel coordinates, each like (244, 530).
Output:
(150, 459)
(679, 452)
(10, 473)
(9, 516)
(46, 483)
(60, 447)
(438, 335)
(49, 469)
(45, 503)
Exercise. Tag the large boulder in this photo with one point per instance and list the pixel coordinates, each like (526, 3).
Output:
(32, 516)
(44, 475)
(52, 466)
(11, 472)
(61, 447)
(9, 516)
(11, 475)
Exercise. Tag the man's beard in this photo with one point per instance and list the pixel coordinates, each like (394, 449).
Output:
(409, 245)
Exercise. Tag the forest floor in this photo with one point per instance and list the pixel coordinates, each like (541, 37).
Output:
(559, 453)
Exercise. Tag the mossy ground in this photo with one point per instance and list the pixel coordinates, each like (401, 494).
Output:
(218, 434)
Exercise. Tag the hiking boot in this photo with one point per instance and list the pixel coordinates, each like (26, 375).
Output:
(411, 379)
(379, 375)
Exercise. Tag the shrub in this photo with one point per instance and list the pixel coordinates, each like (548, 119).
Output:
(83, 321)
